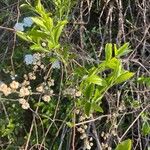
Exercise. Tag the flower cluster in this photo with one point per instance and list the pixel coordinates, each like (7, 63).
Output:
(24, 88)
(88, 142)
(27, 22)
(72, 92)
(6, 90)
(34, 59)
(83, 130)
(24, 103)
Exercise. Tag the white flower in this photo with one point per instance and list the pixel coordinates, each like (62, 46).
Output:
(51, 92)
(26, 105)
(46, 98)
(22, 101)
(43, 44)
(56, 65)
(40, 88)
(36, 57)
(7, 92)
(14, 85)
(87, 145)
(78, 94)
(5, 89)
(27, 22)
(51, 82)
(24, 92)
(19, 27)
(28, 59)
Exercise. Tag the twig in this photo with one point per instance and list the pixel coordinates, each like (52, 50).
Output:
(134, 122)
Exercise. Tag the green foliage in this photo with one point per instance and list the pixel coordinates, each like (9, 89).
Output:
(146, 128)
(88, 83)
(144, 80)
(7, 129)
(46, 31)
(63, 7)
(146, 124)
(123, 50)
(94, 85)
(108, 51)
(125, 145)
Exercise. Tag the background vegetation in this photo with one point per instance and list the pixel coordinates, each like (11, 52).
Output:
(63, 86)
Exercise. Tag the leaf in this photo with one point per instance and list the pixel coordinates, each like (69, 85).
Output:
(24, 36)
(38, 22)
(112, 64)
(81, 71)
(145, 128)
(9, 128)
(96, 80)
(97, 108)
(123, 77)
(89, 91)
(115, 49)
(70, 124)
(98, 93)
(39, 7)
(108, 51)
(87, 108)
(37, 34)
(37, 47)
(123, 50)
(58, 30)
(145, 80)
(125, 145)
(117, 70)
(27, 6)
(93, 71)
(48, 22)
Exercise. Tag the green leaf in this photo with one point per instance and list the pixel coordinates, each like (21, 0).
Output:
(145, 128)
(48, 22)
(108, 51)
(145, 80)
(125, 145)
(96, 80)
(81, 71)
(89, 91)
(97, 108)
(115, 49)
(37, 47)
(39, 7)
(123, 77)
(117, 70)
(123, 50)
(37, 34)
(58, 30)
(38, 21)
(27, 6)
(9, 129)
(112, 64)
(87, 108)
(24, 36)
(98, 93)
(70, 124)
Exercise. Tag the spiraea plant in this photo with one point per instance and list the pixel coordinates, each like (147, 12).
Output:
(44, 34)
(60, 94)
(95, 82)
